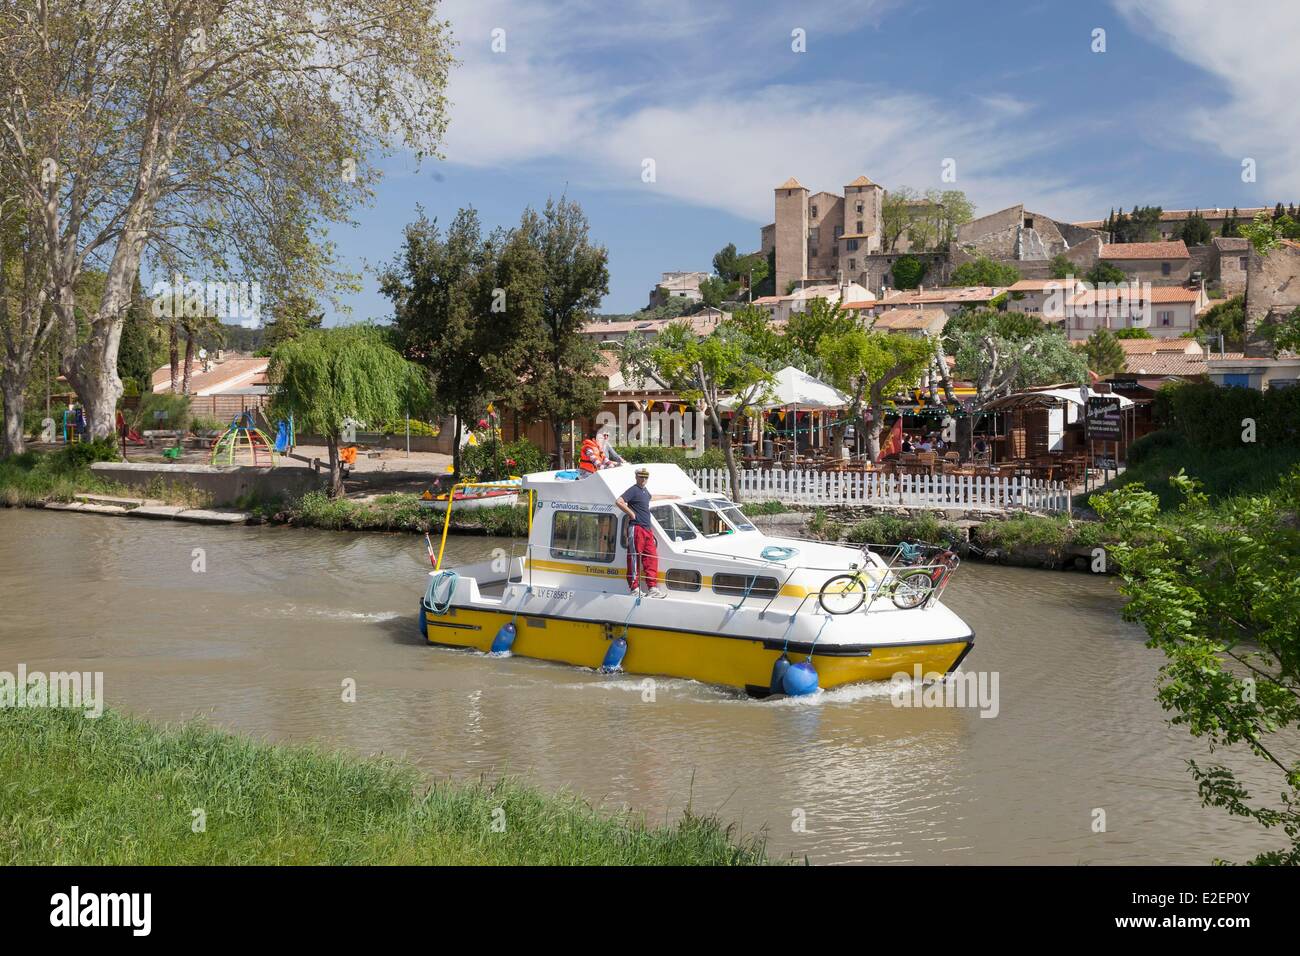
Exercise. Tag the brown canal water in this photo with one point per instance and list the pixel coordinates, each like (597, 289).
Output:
(261, 641)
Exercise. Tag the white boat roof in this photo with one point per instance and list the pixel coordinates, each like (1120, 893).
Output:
(605, 486)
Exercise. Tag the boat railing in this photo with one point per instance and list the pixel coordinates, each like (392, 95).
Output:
(880, 578)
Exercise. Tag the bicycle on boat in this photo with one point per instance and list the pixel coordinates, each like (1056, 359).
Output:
(909, 584)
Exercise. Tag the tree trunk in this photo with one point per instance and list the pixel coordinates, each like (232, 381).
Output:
(557, 428)
(873, 430)
(189, 359)
(455, 447)
(336, 472)
(173, 354)
(733, 472)
(92, 372)
(14, 405)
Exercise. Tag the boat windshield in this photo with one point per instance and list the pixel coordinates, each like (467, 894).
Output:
(713, 518)
(675, 526)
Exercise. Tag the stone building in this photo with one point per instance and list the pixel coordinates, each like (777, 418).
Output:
(1016, 234)
(822, 237)
(1272, 293)
(1233, 262)
(1173, 220)
(1160, 263)
(678, 285)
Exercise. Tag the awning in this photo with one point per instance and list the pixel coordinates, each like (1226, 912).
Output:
(798, 390)
(1052, 396)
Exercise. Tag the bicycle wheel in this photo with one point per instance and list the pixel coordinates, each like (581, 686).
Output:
(843, 594)
(912, 588)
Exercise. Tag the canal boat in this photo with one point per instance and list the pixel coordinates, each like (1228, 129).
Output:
(736, 607)
(496, 494)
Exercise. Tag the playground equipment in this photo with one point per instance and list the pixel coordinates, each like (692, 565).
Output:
(127, 433)
(74, 425)
(244, 438)
(285, 438)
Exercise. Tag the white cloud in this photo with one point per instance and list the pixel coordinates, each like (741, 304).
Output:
(723, 133)
(1246, 47)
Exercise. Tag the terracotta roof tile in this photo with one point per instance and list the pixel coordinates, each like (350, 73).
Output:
(1145, 250)
(1166, 364)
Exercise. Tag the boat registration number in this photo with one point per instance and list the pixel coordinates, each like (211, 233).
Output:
(553, 593)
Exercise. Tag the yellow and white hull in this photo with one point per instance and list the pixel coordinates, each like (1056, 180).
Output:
(734, 661)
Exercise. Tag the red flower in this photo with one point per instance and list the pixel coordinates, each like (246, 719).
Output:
(510, 461)
(482, 423)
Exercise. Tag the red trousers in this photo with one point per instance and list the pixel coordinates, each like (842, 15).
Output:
(644, 554)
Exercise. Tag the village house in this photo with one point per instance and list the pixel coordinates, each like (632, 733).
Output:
(1163, 311)
(1031, 296)
(614, 331)
(950, 301)
(914, 322)
(1160, 263)
(781, 307)
(678, 285)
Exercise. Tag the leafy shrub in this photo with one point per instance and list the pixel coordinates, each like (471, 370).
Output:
(684, 458)
(890, 529)
(418, 428)
(1143, 448)
(1021, 532)
(161, 410)
(206, 423)
(492, 460)
(80, 454)
(1212, 417)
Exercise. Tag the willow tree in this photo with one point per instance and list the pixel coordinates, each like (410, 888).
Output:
(327, 376)
(217, 138)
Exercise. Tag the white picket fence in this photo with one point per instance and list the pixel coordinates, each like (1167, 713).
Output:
(975, 493)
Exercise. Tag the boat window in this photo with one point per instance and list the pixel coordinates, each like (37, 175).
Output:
(706, 518)
(675, 526)
(753, 585)
(682, 579)
(583, 536)
(735, 516)
(716, 517)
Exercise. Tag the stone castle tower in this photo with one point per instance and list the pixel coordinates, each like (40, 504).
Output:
(823, 237)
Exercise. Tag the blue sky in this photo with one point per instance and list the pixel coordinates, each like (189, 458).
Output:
(713, 92)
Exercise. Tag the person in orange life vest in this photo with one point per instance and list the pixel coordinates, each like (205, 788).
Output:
(642, 552)
(591, 458)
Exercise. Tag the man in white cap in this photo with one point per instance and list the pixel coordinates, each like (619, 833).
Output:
(642, 551)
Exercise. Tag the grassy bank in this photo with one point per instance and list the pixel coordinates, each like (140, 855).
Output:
(33, 478)
(119, 791)
(398, 512)
(1224, 472)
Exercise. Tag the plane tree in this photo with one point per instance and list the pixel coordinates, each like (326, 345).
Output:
(209, 137)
